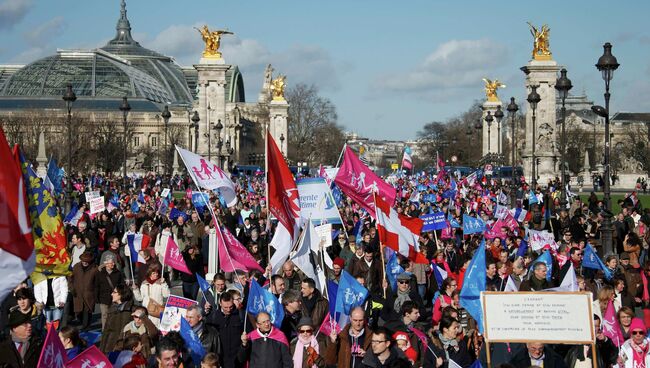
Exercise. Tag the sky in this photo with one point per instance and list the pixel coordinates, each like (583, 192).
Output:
(389, 67)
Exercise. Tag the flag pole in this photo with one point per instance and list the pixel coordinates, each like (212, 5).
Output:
(381, 248)
(266, 189)
(341, 154)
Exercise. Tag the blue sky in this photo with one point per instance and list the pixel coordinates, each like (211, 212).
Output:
(389, 67)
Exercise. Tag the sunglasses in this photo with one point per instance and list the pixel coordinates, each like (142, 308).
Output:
(306, 331)
(638, 333)
(403, 282)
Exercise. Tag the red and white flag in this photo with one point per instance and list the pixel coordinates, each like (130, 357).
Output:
(399, 232)
(173, 257)
(17, 256)
(358, 182)
(283, 201)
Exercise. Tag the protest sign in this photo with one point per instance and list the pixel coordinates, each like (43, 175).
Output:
(325, 233)
(433, 221)
(317, 202)
(96, 205)
(175, 308)
(165, 193)
(540, 239)
(549, 317)
(91, 195)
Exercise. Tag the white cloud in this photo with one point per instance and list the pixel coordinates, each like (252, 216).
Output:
(12, 12)
(454, 64)
(301, 63)
(41, 35)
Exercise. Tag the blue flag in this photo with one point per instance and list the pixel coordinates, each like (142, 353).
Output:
(332, 290)
(350, 294)
(532, 198)
(476, 364)
(452, 221)
(338, 197)
(198, 200)
(141, 197)
(591, 260)
(261, 300)
(547, 259)
(192, 342)
(523, 248)
(164, 206)
(358, 231)
(393, 269)
(55, 176)
(473, 284)
(433, 221)
(176, 213)
(135, 207)
(203, 283)
(472, 225)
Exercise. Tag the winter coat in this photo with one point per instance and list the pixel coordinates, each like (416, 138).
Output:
(104, 288)
(187, 237)
(195, 265)
(10, 358)
(373, 274)
(626, 351)
(397, 359)
(230, 329)
(119, 315)
(339, 353)
(59, 287)
(209, 339)
(551, 359)
(321, 308)
(265, 353)
(83, 285)
(319, 362)
(148, 335)
(606, 354)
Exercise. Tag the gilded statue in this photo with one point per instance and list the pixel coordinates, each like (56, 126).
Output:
(212, 41)
(277, 88)
(491, 89)
(540, 45)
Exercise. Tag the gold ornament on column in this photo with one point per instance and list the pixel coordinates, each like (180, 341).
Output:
(277, 88)
(212, 41)
(491, 89)
(540, 42)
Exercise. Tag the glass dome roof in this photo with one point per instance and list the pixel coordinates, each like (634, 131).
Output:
(121, 68)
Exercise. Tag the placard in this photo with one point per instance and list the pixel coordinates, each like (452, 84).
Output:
(164, 193)
(546, 317)
(91, 195)
(96, 205)
(175, 308)
(325, 233)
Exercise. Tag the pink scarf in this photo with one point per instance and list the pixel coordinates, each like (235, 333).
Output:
(300, 349)
(274, 334)
(638, 354)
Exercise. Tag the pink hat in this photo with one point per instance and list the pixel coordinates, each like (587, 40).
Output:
(637, 324)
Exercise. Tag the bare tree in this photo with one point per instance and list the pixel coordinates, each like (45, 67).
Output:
(314, 135)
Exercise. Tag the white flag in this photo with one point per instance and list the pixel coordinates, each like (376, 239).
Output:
(569, 282)
(302, 257)
(208, 175)
(510, 285)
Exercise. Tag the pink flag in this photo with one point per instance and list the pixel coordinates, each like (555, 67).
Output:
(327, 326)
(91, 357)
(53, 354)
(233, 255)
(174, 258)
(610, 325)
(447, 232)
(496, 231)
(510, 222)
(358, 182)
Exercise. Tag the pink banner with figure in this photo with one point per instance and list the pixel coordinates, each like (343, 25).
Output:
(174, 258)
(233, 255)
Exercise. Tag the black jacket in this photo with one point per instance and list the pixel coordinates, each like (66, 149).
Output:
(397, 359)
(10, 358)
(194, 265)
(551, 359)
(209, 339)
(606, 355)
(230, 329)
(104, 288)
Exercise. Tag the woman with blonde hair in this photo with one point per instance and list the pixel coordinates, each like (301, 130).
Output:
(605, 295)
(624, 317)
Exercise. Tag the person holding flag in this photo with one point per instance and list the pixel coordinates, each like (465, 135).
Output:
(266, 346)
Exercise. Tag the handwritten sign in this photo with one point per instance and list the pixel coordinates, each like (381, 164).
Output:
(325, 233)
(96, 205)
(164, 193)
(91, 195)
(551, 317)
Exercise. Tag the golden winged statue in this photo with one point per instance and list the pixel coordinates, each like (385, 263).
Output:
(277, 88)
(491, 89)
(212, 41)
(540, 45)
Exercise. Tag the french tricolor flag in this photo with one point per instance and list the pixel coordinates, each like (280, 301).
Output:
(137, 242)
(73, 217)
(519, 214)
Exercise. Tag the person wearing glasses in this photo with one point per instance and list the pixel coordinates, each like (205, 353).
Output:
(384, 353)
(403, 294)
(306, 348)
(635, 352)
(265, 346)
(537, 354)
(444, 300)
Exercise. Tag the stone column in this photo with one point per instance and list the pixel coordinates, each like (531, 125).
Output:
(211, 100)
(278, 113)
(543, 74)
(493, 138)
(41, 171)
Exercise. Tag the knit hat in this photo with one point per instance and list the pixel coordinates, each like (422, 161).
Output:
(637, 324)
(338, 261)
(399, 335)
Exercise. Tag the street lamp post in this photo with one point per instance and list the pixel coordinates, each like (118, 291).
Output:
(498, 115)
(489, 119)
(607, 64)
(512, 111)
(478, 126)
(166, 115)
(125, 108)
(195, 125)
(218, 128)
(563, 85)
(282, 144)
(533, 99)
(69, 97)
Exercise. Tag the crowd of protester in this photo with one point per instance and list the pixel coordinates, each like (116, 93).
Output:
(420, 323)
